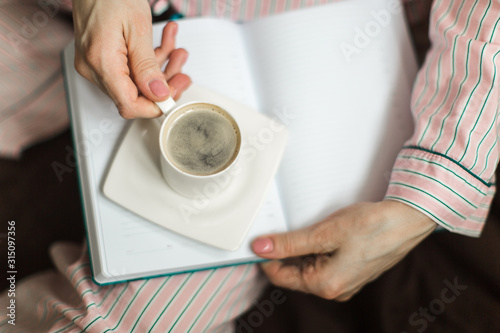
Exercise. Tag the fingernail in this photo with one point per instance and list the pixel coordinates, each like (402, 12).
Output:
(263, 245)
(174, 30)
(184, 58)
(159, 88)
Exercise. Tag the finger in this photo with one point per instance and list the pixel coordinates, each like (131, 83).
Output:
(313, 280)
(283, 276)
(178, 58)
(130, 104)
(178, 84)
(312, 239)
(83, 68)
(143, 64)
(167, 45)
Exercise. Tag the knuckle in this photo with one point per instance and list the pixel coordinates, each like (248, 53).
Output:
(321, 237)
(92, 55)
(287, 245)
(330, 292)
(145, 65)
(124, 111)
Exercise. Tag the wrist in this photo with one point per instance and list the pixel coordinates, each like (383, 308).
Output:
(409, 217)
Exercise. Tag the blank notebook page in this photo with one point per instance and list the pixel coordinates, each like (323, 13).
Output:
(345, 135)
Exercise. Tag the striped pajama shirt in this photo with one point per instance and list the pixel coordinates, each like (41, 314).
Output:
(445, 170)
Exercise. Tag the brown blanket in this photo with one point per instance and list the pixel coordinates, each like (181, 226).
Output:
(449, 283)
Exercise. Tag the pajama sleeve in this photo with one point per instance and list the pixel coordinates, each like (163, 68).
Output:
(447, 168)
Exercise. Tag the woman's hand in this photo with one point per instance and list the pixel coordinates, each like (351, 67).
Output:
(113, 41)
(348, 249)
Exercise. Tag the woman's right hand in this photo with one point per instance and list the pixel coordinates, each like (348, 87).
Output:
(113, 42)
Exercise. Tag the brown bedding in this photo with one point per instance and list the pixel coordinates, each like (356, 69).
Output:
(449, 283)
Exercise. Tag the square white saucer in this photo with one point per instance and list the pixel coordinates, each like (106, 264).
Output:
(134, 178)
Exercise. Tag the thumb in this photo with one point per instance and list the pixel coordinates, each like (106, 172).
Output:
(289, 244)
(145, 69)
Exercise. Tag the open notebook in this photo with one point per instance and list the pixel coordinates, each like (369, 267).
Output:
(342, 89)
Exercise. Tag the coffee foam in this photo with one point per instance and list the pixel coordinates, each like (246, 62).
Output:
(202, 141)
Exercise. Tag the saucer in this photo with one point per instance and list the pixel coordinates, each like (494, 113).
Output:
(220, 218)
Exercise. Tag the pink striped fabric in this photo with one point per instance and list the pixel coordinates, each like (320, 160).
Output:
(32, 103)
(69, 301)
(447, 168)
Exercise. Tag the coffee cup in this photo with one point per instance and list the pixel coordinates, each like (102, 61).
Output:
(200, 144)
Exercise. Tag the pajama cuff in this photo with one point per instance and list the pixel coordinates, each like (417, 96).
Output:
(442, 189)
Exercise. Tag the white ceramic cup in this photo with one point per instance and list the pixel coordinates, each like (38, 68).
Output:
(187, 184)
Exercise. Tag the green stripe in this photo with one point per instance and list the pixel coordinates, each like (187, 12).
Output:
(89, 305)
(482, 19)
(243, 6)
(438, 109)
(238, 298)
(210, 300)
(436, 91)
(468, 231)
(73, 320)
(245, 273)
(175, 295)
(451, 160)
(453, 75)
(272, 8)
(422, 208)
(109, 312)
(480, 142)
(476, 218)
(76, 269)
(434, 8)
(457, 96)
(429, 194)
(494, 31)
(199, 7)
(470, 95)
(488, 155)
(257, 8)
(449, 188)
(482, 108)
(53, 306)
(45, 309)
(81, 280)
(147, 305)
(42, 319)
(128, 306)
(430, 60)
(191, 300)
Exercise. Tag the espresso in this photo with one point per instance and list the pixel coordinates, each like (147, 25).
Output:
(202, 142)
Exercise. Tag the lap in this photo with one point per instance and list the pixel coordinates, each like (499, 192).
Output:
(449, 283)
(69, 301)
